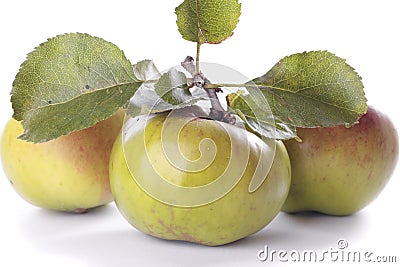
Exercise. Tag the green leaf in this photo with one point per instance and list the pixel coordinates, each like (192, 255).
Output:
(147, 101)
(169, 92)
(51, 121)
(145, 70)
(207, 21)
(69, 83)
(172, 87)
(258, 117)
(313, 89)
(160, 93)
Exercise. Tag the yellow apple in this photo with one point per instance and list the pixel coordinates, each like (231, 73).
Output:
(192, 179)
(69, 173)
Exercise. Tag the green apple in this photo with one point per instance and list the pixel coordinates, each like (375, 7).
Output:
(163, 185)
(339, 170)
(69, 173)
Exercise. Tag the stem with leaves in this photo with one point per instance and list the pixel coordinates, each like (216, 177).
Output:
(217, 111)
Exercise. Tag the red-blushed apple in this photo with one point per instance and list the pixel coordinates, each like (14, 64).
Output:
(69, 173)
(339, 170)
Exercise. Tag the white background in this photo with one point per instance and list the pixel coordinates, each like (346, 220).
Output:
(364, 32)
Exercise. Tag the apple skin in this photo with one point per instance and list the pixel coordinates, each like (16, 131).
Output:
(69, 173)
(339, 170)
(231, 217)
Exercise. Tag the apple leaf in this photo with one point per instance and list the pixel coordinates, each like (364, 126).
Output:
(145, 70)
(69, 83)
(169, 92)
(147, 101)
(51, 121)
(313, 89)
(206, 21)
(258, 117)
(172, 87)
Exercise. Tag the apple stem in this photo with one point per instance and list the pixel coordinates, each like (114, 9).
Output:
(217, 112)
(198, 57)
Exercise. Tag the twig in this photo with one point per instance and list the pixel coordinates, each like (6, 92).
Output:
(217, 112)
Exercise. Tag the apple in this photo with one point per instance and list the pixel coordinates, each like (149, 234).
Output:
(69, 173)
(339, 170)
(189, 178)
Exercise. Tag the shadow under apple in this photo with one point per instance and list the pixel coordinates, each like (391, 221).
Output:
(308, 230)
(103, 238)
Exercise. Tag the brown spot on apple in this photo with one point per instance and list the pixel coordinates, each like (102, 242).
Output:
(369, 175)
(80, 210)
